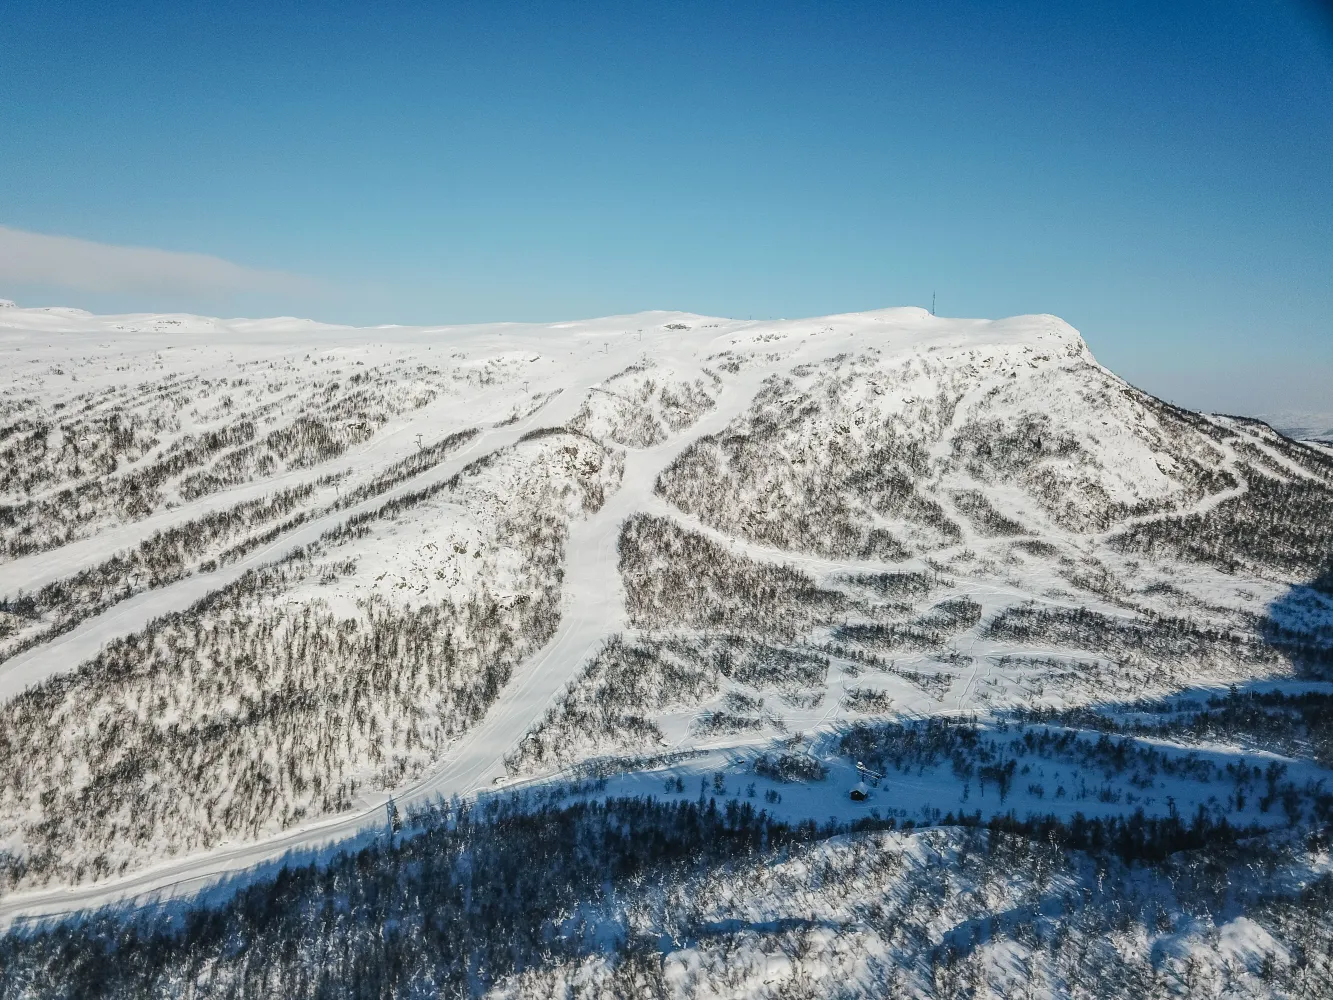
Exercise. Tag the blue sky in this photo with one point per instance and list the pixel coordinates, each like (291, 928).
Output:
(1159, 174)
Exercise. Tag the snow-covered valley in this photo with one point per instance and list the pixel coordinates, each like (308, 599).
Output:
(274, 592)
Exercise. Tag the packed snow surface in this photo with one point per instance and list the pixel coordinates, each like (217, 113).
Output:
(267, 581)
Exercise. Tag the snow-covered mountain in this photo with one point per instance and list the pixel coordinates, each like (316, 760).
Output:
(1301, 425)
(267, 583)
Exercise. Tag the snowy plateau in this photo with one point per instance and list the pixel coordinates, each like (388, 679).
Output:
(659, 655)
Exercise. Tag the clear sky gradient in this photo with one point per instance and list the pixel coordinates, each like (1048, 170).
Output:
(1159, 174)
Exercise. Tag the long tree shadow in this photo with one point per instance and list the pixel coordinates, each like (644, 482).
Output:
(1300, 626)
(470, 893)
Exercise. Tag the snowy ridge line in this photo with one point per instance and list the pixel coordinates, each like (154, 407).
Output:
(847, 446)
(88, 345)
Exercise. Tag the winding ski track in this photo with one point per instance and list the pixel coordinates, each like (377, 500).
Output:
(592, 610)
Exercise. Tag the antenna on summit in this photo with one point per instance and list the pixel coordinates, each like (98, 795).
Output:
(932, 303)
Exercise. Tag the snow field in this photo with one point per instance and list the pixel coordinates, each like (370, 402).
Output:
(799, 473)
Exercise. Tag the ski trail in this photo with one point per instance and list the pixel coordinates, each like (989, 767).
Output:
(66, 652)
(592, 609)
(1202, 506)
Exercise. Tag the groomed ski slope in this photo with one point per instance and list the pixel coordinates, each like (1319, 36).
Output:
(593, 607)
(590, 361)
(572, 359)
(592, 611)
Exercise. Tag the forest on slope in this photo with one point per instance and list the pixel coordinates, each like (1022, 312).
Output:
(684, 581)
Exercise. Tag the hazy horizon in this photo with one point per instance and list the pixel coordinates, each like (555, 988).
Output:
(1158, 177)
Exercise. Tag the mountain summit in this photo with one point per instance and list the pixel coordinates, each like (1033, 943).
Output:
(267, 583)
